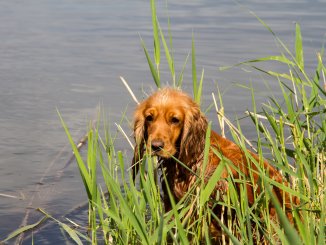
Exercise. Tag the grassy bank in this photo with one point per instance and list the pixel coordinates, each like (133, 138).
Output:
(292, 129)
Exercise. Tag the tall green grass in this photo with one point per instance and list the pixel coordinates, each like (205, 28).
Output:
(292, 128)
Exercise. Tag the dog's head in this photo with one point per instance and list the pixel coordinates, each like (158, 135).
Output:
(168, 123)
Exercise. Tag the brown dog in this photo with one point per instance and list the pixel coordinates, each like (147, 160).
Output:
(171, 126)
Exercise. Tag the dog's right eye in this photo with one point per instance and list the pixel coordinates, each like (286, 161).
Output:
(175, 120)
(149, 118)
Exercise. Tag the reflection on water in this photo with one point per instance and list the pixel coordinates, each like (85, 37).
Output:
(68, 55)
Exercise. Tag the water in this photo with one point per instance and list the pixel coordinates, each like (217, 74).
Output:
(68, 55)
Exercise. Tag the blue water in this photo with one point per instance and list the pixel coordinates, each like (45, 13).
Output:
(68, 55)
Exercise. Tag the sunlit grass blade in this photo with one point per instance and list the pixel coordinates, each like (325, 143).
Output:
(298, 46)
(81, 165)
(234, 240)
(211, 184)
(72, 234)
(160, 231)
(207, 188)
(181, 232)
(150, 189)
(322, 227)
(203, 195)
(200, 88)
(168, 55)
(152, 68)
(171, 47)
(194, 68)
(279, 41)
(207, 147)
(290, 232)
(23, 229)
(135, 221)
(180, 79)
(280, 58)
(92, 161)
(157, 46)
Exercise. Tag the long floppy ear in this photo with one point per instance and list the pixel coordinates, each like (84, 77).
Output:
(139, 136)
(193, 136)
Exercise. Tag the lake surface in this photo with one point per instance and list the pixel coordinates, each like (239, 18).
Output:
(68, 55)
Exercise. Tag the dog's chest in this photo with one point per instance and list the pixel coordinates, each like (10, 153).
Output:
(181, 182)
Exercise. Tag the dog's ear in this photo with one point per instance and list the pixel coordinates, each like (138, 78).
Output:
(139, 136)
(193, 136)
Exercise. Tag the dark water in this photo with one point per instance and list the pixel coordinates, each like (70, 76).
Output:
(69, 54)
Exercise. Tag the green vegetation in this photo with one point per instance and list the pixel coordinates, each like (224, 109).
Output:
(293, 131)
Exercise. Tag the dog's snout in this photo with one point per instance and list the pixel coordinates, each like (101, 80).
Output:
(157, 145)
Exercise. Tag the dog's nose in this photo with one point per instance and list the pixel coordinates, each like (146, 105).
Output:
(157, 145)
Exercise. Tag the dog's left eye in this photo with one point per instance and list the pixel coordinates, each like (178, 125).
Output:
(149, 118)
(175, 120)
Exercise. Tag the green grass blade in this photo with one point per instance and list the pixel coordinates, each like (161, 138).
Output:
(23, 229)
(168, 55)
(322, 228)
(181, 232)
(136, 222)
(81, 165)
(160, 230)
(157, 48)
(203, 199)
(180, 79)
(234, 240)
(193, 68)
(200, 88)
(171, 46)
(72, 234)
(154, 72)
(290, 233)
(298, 47)
(92, 162)
(275, 36)
(279, 58)
(210, 186)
